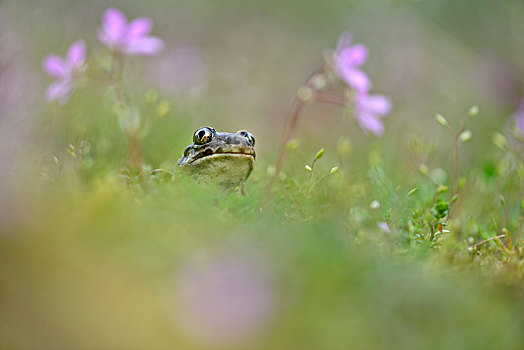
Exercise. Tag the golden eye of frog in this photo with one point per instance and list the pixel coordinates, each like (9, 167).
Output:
(221, 157)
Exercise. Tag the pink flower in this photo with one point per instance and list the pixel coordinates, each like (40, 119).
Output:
(518, 117)
(369, 109)
(347, 60)
(65, 71)
(128, 38)
(224, 300)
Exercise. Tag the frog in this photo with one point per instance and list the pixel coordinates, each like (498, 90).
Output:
(224, 158)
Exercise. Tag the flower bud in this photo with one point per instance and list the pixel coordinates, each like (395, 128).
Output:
(413, 191)
(319, 82)
(319, 154)
(473, 111)
(293, 144)
(344, 146)
(163, 109)
(441, 120)
(374, 204)
(423, 169)
(305, 93)
(462, 182)
(442, 188)
(499, 140)
(465, 136)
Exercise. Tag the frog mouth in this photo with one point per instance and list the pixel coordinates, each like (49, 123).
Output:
(209, 154)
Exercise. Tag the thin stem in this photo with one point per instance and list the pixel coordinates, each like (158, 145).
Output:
(291, 124)
(487, 240)
(160, 171)
(506, 216)
(456, 148)
(331, 97)
(136, 158)
(292, 119)
(455, 170)
(308, 194)
(451, 131)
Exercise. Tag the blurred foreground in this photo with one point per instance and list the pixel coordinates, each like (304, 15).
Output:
(378, 244)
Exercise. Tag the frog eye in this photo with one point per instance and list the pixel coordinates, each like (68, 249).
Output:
(248, 136)
(203, 135)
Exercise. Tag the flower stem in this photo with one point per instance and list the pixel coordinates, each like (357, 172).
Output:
(331, 98)
(293, 115)
(487, 240)
(456, 148)
(136, 158)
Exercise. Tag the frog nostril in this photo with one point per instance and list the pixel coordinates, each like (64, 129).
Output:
(233, 140)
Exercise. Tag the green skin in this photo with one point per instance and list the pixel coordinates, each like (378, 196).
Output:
(227, 159)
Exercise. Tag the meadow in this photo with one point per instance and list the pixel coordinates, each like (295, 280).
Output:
(384, 211)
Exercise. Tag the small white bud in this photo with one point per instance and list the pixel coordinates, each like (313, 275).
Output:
(305, 93)
(441, 120)
(374, 204)
(474, 111)
(465, 136)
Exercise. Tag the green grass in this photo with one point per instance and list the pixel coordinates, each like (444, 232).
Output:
(93, 259)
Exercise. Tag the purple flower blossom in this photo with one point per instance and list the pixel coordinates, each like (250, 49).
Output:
(128, 38)
(347, 59)
(65, 71)
(384, 226)
(369, 109)
(518, 117)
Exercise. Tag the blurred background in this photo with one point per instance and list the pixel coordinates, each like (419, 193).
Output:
(238, 66)
(87, 262)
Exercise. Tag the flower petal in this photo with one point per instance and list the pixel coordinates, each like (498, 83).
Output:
(356, 79)
(519, 122)
(149, 45)
(139, 27)
(343, 41)
(383, 226)
(54, 66)
(113, 26)
(76, 54)
(518, 116)
(377, 104)
(354, 55)
(370, 122)
(60, 90)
